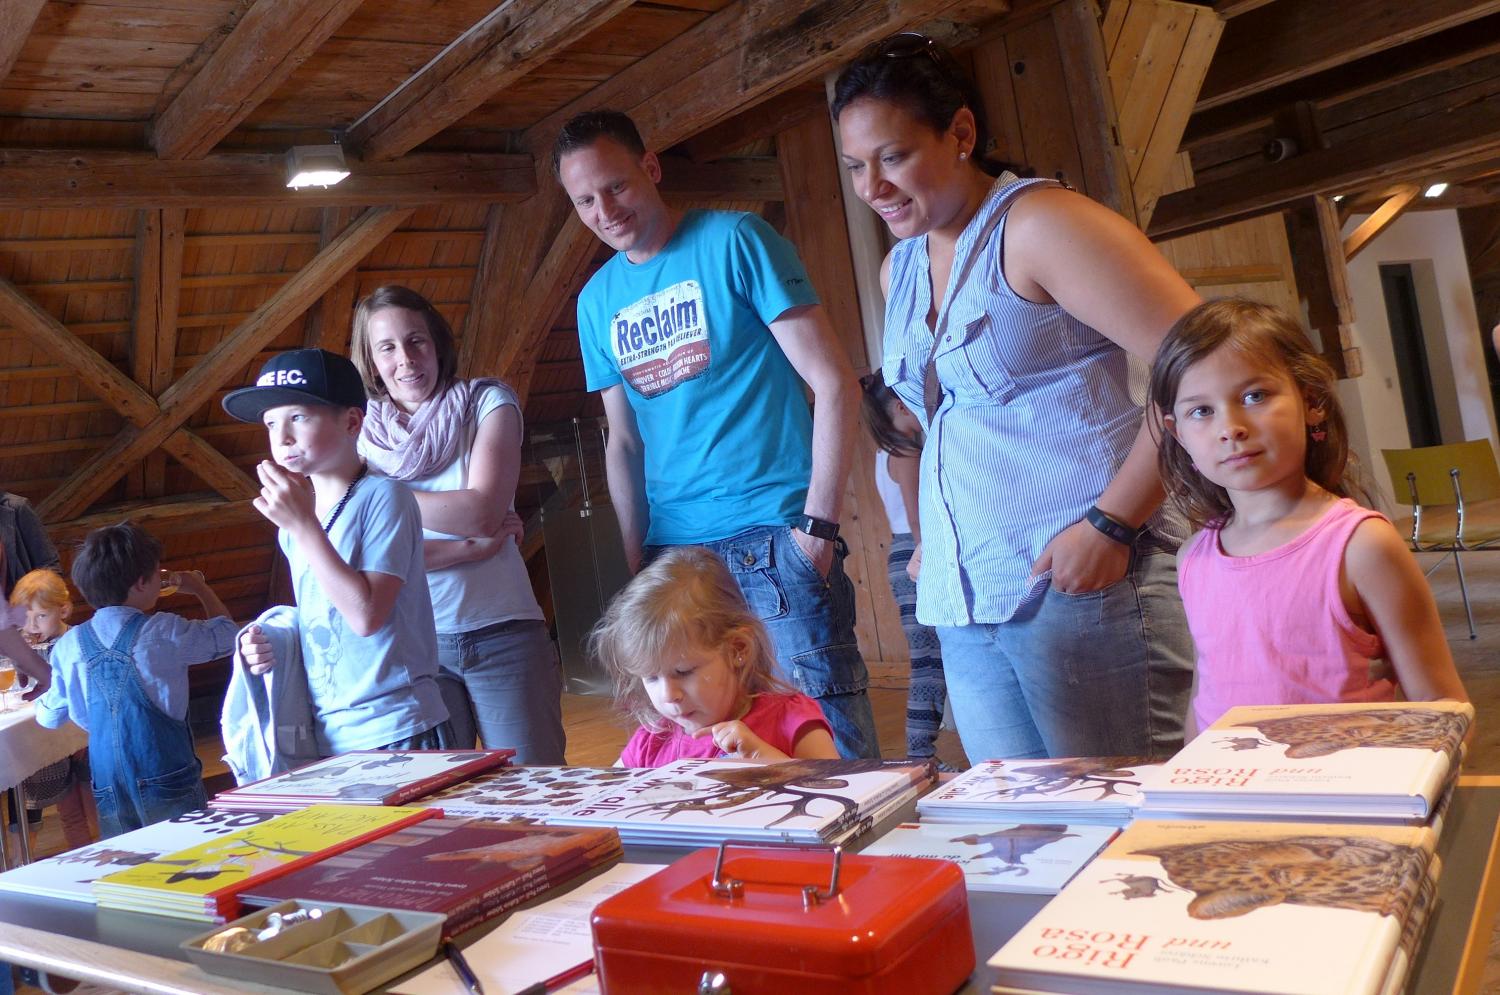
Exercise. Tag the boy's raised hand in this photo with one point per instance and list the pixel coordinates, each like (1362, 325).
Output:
(255, 650)
(286, 498)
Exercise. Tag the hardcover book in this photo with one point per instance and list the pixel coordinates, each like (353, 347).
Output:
(1176, 907)
(703, 802)
(468, 870)
(1070, 790)
(70, 876)
(1032, 859)
(364, 777)
(526, 794)
(1386, 761)
(202, 882)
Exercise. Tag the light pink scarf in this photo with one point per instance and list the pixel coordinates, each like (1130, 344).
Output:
(411, 447)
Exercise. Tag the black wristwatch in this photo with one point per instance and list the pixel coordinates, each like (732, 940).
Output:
(1114, 529)
(818, 528)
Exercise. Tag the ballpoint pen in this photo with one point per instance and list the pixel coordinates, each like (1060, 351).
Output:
(558, 980)
(465, 972)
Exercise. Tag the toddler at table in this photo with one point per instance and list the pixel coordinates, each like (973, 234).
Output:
(695, 667)
(122, 675)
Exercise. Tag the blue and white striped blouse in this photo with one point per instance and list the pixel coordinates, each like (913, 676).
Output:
(1035, 419)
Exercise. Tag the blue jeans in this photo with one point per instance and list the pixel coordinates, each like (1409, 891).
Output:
(1105, 673)
(811, 622)
(505, 683)
(141, 760)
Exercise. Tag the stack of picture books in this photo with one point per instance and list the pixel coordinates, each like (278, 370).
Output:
(203, 882)
(70, 876)
(467, 870)
(1103, 791)
(1177, 907)
(1383, 762)
(527, 794)
(1027, 859)
(705, 802)
(363, 777)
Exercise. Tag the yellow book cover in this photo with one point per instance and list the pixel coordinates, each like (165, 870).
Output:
(223, 867)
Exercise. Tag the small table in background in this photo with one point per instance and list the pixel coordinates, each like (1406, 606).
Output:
(26, 748)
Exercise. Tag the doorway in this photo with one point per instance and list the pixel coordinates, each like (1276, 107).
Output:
(1398, 284)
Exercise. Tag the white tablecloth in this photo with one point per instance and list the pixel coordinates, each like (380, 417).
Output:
(26, 747)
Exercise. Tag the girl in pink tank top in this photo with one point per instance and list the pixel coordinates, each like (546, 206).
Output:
(1294, 592)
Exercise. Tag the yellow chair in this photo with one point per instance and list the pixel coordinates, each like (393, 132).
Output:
(1455, 501)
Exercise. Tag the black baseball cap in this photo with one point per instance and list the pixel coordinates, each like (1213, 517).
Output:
(301, 376)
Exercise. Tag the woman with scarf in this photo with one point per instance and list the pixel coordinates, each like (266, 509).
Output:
(457, 445)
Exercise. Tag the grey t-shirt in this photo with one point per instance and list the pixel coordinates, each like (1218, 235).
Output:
(371, 690)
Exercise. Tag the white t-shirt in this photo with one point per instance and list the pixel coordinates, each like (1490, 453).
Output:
(890, 493)
(470, 596)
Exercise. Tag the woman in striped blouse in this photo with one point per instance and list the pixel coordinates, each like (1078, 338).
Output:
(1011, 308)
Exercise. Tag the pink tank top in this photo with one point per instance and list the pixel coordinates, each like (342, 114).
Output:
(1272, 629)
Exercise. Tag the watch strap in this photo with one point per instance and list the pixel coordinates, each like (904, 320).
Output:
(818, 528)
(1121, 533)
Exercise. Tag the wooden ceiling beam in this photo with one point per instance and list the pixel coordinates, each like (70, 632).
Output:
(1462, 135)
(509, 42)
(271, 40)
(16, 20)
(753, 178)
(1281, 42)
(1422, 57)
(221, 363)
(766, 119)
(94, 179)
(1380, 219)
(329, 320)
(160, 517)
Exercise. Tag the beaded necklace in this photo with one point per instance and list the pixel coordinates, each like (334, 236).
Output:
(338, 509)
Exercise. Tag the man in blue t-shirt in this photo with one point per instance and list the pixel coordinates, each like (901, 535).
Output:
(700, 333)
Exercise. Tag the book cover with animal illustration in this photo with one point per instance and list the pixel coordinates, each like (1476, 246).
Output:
(1387, 761)
(202, 882)
(70, 876)
(1034, 859)
(1295, 908)
(468, 870)
(526, 794)
(1095, 790)
(364, 777)
(699, 802)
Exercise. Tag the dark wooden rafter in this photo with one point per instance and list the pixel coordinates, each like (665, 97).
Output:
(509, 42)
(93, 179)
(755, 178)
(158, 517)
(1380, 219)
(16, 20)
(1282, 42)
(269, 41)
(211, 372)
(1429, 142)
(765, 120)
(1312, 228)
(328, 320)
(158, 276)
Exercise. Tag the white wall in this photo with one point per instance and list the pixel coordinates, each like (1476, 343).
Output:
(1430, 241)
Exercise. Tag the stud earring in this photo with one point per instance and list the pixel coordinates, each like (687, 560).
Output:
(962, 156)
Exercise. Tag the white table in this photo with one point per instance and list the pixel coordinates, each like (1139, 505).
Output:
(26, 748)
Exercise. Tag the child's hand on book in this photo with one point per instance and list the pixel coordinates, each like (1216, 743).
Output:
(738, 741)
(286, 498)
(255, 650)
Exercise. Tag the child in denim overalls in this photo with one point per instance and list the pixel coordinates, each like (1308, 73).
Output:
(122, 675)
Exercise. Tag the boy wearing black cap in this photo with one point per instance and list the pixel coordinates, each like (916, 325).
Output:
(354, 542)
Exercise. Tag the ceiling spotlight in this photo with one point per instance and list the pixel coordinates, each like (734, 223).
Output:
(315, 166)
(1436, 190)
(1339, 197)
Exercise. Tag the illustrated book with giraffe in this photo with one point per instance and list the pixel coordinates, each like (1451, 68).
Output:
(1029, 859)
(704, 802)
(527, 794)
(204, 882)
(1386, 762)
(1070, 790)
(1177, 907)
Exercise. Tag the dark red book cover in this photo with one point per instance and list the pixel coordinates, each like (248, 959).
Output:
(467, 870)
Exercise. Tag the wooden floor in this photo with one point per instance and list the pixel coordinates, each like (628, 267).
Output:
(596, 735)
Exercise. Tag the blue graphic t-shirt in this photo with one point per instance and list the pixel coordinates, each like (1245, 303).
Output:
(370, 690)
(722, 414)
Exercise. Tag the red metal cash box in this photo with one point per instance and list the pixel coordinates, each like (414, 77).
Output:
(779, 920)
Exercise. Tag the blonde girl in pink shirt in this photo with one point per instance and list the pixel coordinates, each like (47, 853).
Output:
(1294, 592)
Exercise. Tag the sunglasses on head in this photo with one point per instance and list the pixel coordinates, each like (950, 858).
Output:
(909, 45)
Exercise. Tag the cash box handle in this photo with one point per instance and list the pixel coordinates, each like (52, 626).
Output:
(811, 894)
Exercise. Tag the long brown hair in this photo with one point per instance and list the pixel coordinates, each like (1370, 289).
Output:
(877, 399)
(389, 296)
(1266, 334)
